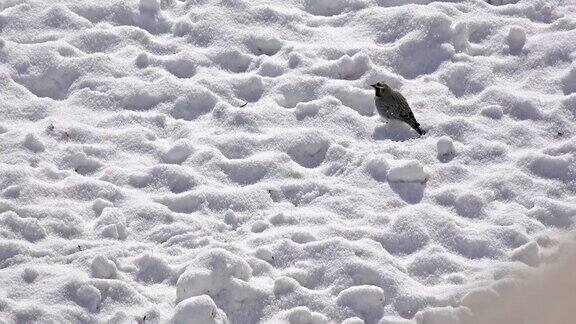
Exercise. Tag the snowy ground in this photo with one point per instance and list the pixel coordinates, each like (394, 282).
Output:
(205, 161)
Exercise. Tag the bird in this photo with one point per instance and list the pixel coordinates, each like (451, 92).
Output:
(392, 105)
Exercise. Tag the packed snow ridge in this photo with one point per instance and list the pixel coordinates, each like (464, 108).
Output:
(220, 161)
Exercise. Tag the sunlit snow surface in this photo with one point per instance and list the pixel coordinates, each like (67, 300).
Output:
(213, 161)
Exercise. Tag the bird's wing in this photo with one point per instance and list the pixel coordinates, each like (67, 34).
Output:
(403, 110)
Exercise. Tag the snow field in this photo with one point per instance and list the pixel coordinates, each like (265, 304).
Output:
(219, 161)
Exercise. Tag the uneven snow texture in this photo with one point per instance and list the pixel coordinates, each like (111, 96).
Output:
(214, 161)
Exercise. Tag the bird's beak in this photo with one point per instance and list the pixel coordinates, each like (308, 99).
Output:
(373, 85)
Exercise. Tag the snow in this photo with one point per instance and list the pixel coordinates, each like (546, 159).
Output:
(569, 81)
(445, 148)
(516, 39)
(199, 310)
(528, 253)
(365, 300)
(32, 143)
(537, 295)
(410, 171)
(300, 315)
(103, 268)
(151, 6)
(88, 296)
(221, 161)
(29, 275)
(493, 111)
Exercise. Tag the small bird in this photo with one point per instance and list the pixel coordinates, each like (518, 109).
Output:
(392, 105)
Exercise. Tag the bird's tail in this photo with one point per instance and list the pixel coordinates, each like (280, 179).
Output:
(417, 128)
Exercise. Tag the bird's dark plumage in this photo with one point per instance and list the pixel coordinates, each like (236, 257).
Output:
(392, 105)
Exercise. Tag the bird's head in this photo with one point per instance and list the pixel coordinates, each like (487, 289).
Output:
(381, 87)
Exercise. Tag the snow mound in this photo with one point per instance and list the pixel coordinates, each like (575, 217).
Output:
(153, 269)
(284, 285)
(493, 111)
(411, 171)
(300, 315)
(445, 148)
(33, 143)
(219, 267)
(569, 81)
(516, 39)
(378, 167)
(103, 268)
(443, 315)
(89, 297)
(199, 310)
(193, 105)
(29, 228)
(529, 254)
(152, 6)
(366, 300)
(331, 8)
(221, 160)
(353, 320)
(264, 44)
